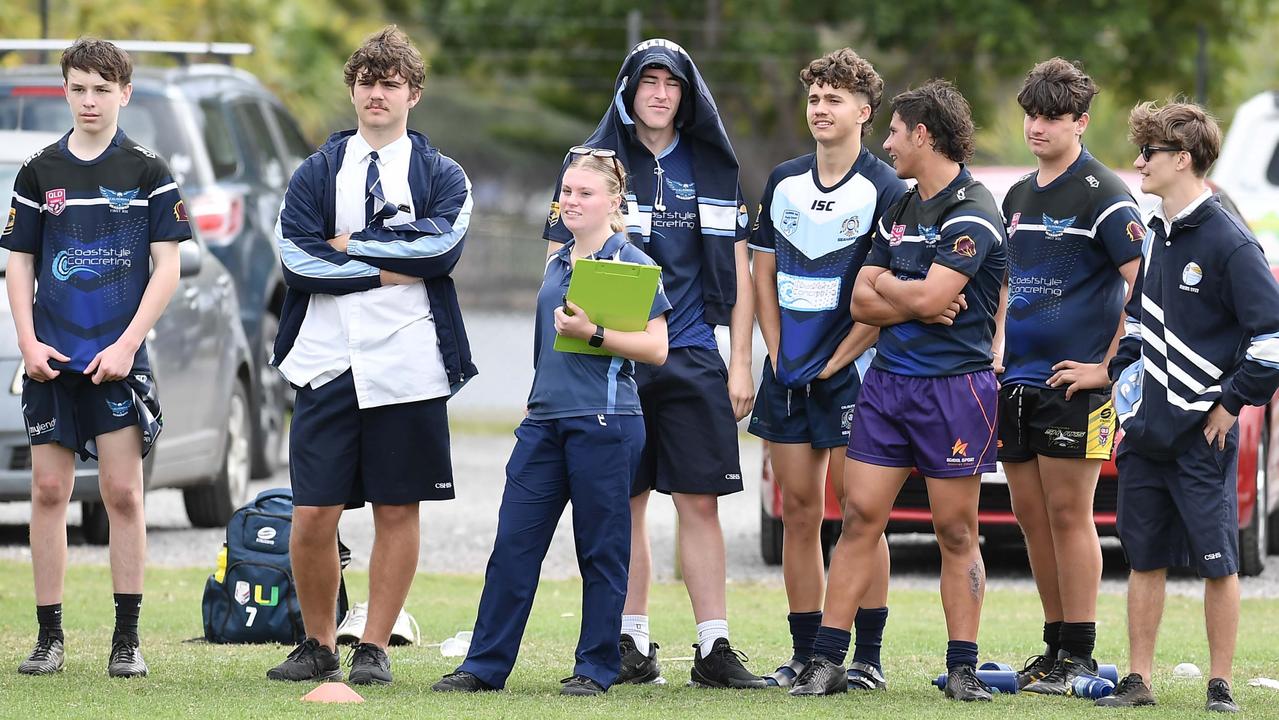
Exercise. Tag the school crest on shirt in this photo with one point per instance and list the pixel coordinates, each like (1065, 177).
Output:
(55, 201)
(790, 222)
(1136, 233)
(1054, 229)
(850, 228)
(682, 190)
(1012, 224)
(930, 234)
(118, 199)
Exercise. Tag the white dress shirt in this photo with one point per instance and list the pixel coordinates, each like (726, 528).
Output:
(386, 335)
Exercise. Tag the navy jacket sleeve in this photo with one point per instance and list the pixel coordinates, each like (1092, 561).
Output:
(1253, 295)
(1129, 349)
(310, 263)
(430, 246)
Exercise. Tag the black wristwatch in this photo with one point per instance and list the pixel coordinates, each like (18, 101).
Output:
(597, 339)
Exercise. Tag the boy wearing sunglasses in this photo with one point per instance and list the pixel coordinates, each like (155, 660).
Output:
(1201, 341)
(685, 210)
(1074, 240)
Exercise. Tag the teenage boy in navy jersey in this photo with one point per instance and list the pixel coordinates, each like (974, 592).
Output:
(1202, 341)
(685, 210)
(1074, 240)
(931, 283)
(87, 214)
(810, 240)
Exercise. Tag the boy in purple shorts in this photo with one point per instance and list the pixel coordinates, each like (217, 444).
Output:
(932, 284)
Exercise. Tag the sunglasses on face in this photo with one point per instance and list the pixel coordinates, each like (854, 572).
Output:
(1148, 151)
(604, 153)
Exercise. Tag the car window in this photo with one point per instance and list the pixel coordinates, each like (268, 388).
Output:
(257, 134)
(296, 148)
(217, 138)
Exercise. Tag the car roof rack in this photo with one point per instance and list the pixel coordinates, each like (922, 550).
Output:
(179, 51)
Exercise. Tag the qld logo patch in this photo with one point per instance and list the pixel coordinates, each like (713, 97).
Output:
(1054, 229)
(55, 201)
(1012, 225)
(899, 232)
(117, 199)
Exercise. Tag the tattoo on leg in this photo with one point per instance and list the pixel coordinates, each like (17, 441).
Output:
(976, 579)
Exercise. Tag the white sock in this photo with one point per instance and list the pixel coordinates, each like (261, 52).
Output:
(637, 627)
(708, 632)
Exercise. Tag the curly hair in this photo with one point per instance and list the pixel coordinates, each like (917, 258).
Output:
(1056, 87)
(1180, 124)
(938, 106)
(386, 53)
(846, 70)
(93, 55)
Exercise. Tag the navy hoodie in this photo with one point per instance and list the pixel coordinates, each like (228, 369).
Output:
(1202, 328)
(427, 248)
(721, 209)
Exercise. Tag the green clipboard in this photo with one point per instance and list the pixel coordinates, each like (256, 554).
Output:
(617, 295)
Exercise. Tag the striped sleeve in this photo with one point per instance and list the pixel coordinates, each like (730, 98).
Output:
(24, 225)
(1253, 295)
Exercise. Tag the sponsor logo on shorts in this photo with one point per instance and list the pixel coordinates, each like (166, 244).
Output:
(443, 486)
(120, 409)
(1191, 275)
(846, 418)
(242, 592)
(1103, 435)
(42, 428)
(959, 454)
(266, 536)
(55, 201)
(733, 476)
(1063, 438)
(1212, 556)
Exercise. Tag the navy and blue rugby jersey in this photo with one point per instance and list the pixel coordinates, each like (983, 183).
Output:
(820, 237)
(1066, 241)
(958, 228)
(572, 384)
(675, 243)
(89, 224)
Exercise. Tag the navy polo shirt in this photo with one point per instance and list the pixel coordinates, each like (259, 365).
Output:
(572, 384)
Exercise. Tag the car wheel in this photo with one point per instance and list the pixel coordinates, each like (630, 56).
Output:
(94, 523)
(770, 538)
(1252, 539)
(212, 505)
(272, 407)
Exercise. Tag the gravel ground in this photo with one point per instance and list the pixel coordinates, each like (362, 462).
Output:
(458, 535)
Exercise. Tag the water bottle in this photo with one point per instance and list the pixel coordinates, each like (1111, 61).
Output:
(995, 666)
(1109, 672)
(1091, 687)
(999, 681)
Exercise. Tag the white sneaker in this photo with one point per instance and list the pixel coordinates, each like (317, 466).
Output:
(352, 627)
(405, 630)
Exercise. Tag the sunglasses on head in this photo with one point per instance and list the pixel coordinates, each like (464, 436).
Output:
(1148, 151)
(606, 153)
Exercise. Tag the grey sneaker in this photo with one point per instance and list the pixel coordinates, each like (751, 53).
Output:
(1132, 691)
(309, 661)
(126, 660)
(1219, 697)
(46, 658)
(369, 665)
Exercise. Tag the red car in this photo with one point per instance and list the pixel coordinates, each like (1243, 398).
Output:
(1258, 503)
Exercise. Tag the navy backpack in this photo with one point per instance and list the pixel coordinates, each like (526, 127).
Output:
(251, 598)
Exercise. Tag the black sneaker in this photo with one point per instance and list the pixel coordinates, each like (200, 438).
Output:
(1036, 668)
(637, 668)
(461, 681)
(369, 665)
(1131, 692)
(722, 668)
(1219, 697)
(820, 677)
(126, 660)
(1059, 680)
(864, 676)
(46, 658)
(963, 684)
(581, 686)
(309, 661)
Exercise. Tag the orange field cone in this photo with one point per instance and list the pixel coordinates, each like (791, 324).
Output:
(333, 692)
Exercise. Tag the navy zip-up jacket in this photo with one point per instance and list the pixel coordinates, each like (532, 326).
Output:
(721, 208)
(427, 248)
(1202, 328)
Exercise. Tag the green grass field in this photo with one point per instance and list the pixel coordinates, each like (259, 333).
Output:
(194, 679)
